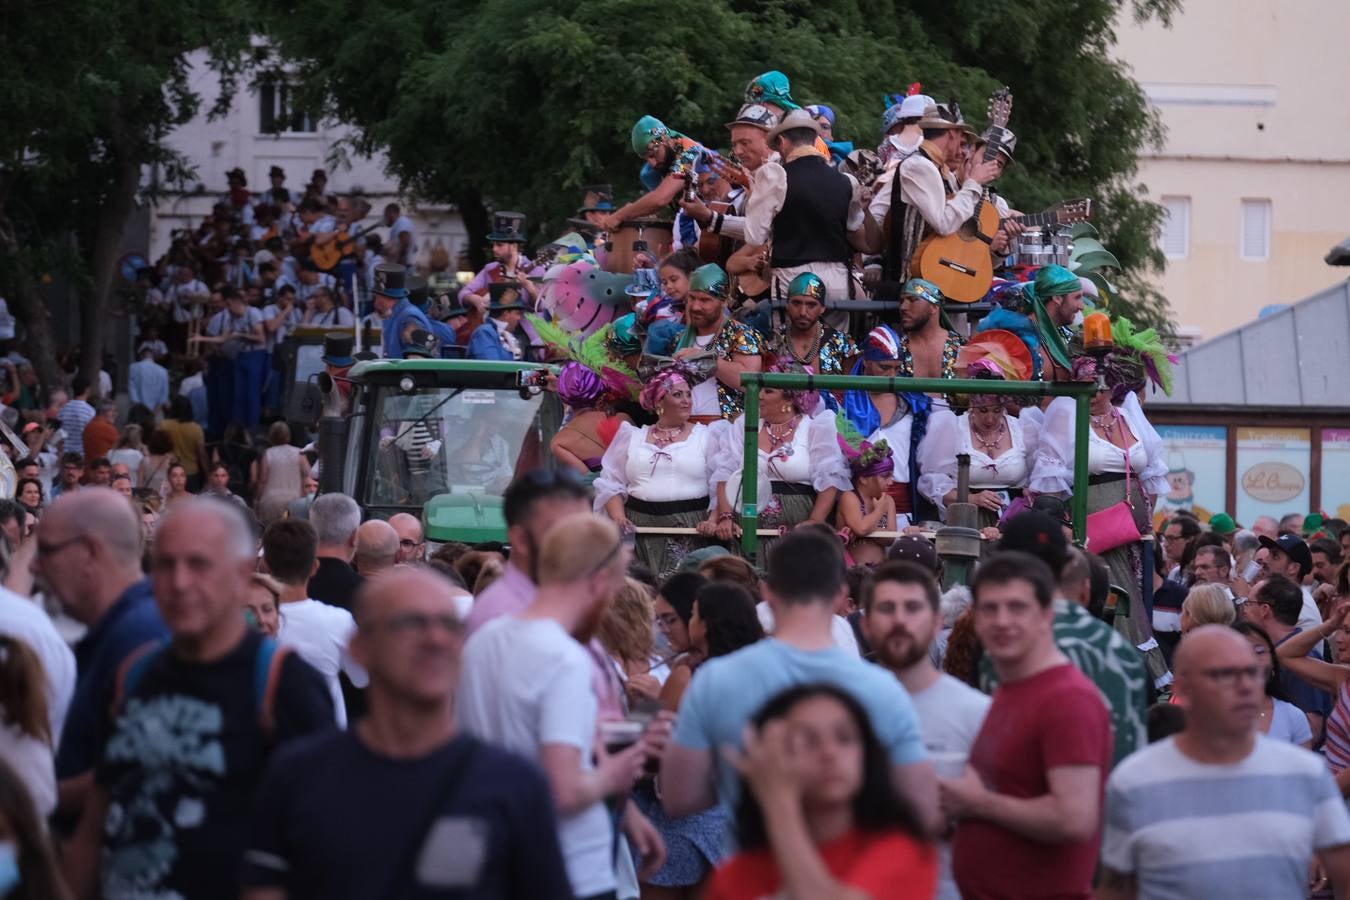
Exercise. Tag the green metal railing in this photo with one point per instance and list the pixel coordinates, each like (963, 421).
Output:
(1082, 393)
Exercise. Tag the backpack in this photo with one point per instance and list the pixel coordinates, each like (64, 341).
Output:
(267, 665)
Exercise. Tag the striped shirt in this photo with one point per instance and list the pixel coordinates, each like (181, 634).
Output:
(74, 416)
(1187, 829)
(1337, 746)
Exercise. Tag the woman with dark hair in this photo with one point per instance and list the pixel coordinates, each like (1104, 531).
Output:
(1279, 718)
(28, 491)
(673, 607)
(176, 483)
(158, 457)
(25, 728)
(818, 814)
(721, 620)
(25, 842)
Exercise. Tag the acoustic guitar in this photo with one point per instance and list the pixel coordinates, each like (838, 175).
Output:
(327, 256)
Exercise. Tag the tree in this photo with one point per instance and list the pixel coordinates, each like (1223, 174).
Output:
(525, 101)
(89, 97)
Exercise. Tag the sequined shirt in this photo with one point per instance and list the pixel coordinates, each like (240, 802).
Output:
(732, 339)
(836, 348)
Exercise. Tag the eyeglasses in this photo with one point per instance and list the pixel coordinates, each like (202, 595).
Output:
(409, 543)
(1174, 537)
(1231, 674)
(407, 623)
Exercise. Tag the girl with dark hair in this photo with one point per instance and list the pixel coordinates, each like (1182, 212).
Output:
(28, 868)
(176, 483)
(188, 439)
(819, 815)
(25, 728)
(1279, 718)
(720, 620)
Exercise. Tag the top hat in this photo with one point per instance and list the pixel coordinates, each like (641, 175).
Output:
(337, 349)
(390, 281)
(276, 170)
(597, 198)
(798, 118)
(507, 227)
(236, 172)
(505, 296)
(418, 291)
(420, 343)
(644, 283)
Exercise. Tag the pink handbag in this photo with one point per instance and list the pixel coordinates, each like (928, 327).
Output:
(1114, 526)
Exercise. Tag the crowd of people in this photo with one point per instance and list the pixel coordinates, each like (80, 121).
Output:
(217, 682)
(325, 707)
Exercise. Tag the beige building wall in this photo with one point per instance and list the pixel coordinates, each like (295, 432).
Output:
(1255, 95)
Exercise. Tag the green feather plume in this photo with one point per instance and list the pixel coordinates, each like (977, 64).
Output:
(1148, 347)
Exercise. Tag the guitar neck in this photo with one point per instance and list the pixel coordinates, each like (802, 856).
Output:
(1036, 220)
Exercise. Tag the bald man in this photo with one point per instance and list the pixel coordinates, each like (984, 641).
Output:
(339, 814)
(527, 686)
(195, 722)
(89, 557)
(412, 546)
(376, 547)
(1220, 768)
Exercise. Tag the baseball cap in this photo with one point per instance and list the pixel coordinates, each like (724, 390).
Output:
(1292, 546)
(31, 426)
(1036, 533)
(915, 549)
(1222, 523)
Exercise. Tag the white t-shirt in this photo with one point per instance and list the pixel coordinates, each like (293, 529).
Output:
(319, 633)
(525, 683)
(24, 620)
(1309, 616)
(841, 633)
(402, 224)
(31, 759)
(950, 715)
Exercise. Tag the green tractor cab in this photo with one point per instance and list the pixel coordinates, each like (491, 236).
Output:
(440, 439)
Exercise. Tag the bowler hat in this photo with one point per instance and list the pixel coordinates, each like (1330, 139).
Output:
(597, 198)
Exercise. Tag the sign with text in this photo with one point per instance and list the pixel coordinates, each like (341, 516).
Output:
(1272, 472)
(1336, 471)
(1197, 467)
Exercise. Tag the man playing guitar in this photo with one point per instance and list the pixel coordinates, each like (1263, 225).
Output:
(508, 265)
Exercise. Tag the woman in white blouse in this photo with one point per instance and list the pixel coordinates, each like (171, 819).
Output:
(801, 469)
(1125, 461)
(661, 475)
(1000, 446)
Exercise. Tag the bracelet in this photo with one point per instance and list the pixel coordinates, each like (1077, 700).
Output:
(726, 516)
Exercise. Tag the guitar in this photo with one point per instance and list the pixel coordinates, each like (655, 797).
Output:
(327, 256)
(960, 264)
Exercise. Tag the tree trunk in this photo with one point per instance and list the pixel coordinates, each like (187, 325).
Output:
(475, 217)
(25, 302)
(112, 219)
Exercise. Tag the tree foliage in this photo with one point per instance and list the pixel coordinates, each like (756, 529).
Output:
(88, 96)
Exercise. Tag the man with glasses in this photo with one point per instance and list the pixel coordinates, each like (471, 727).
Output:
(1177, 536)
(195, 722)
(412, 546)
(1213, 565)
(1217, 765)
(89, 559)
(1274, 604)
(527, 687)
(532, 504)
(405, 802)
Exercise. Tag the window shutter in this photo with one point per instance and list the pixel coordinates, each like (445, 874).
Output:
(1176, 227)
(1255, 229)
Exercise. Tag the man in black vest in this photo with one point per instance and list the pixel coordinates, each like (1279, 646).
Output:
(811, 215)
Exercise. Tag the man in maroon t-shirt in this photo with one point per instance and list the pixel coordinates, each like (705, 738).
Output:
(1028, 808)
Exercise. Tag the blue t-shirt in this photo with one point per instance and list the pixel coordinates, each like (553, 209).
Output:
(133, 620)
(727, 692)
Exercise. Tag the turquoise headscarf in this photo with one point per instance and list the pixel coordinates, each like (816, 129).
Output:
(646, 131)
(807, 285)
(1052, 281)
(709, 279)
(923, 289)
(771, 87)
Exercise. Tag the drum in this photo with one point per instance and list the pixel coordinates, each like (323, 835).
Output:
(1041, 248)
(659, 236)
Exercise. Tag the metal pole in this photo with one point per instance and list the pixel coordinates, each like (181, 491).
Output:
(750, 477)
(1081, 421)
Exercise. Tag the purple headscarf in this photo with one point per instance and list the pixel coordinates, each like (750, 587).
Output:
(806, 402)
(579, 387)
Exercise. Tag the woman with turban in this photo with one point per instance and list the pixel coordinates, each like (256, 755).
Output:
(1000, 446)
(661, 475)
(580, 443)
(801, 469)
(1126, 462)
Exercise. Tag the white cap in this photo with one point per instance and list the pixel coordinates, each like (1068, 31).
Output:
(913, 106)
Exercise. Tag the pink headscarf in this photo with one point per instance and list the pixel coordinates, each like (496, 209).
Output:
(658, 386)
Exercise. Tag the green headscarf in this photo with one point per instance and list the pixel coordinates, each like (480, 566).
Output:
(807, 285)
(771, 87)
(622, 340)
(647, 131)
(709, 279)
(1052, 281)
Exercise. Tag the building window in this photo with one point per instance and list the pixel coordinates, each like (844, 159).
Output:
(276, 109)
(1255, 229)
(1176, 227)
